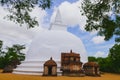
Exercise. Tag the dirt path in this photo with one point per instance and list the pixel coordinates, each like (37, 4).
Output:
(105, 76)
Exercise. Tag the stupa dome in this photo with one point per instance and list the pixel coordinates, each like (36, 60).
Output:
(51, 43)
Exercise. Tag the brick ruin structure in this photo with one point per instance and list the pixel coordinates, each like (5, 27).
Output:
(70, 64)
(91, 69)
(50, 68)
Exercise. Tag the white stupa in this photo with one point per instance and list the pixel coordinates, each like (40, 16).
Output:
(50, 43)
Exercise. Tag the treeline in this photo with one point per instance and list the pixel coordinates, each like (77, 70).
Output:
(10, 56)
(110, 63)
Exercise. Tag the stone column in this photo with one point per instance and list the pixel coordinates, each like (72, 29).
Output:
(54, 70)
(45, 70)
(93, 70)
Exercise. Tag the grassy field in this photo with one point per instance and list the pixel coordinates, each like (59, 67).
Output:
(9, 76)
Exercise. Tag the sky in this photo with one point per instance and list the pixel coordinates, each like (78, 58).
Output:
(12, 33)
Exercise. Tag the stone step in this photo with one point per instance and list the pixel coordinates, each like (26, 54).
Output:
(29, 66)
(28, 73)
(33, 73)
(27, 70)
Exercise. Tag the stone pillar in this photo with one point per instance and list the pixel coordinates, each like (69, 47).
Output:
(45, 70)
(54, 70)
(98, 71)
(93, 71)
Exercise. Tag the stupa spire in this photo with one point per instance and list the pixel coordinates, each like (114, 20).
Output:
(58, 17)
(57, 24)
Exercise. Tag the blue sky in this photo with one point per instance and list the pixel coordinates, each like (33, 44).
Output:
(70, 13)
(90, 46)
(98, 49)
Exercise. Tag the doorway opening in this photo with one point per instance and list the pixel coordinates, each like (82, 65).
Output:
(50, 70)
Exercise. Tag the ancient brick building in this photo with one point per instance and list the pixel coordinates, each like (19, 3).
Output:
(91, 69)
(70, 64)
(50, 68)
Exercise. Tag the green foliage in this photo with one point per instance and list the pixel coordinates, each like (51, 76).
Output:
(19, 10)
(12, 53)
(105, 64)
(114, 55)
(1, 43)
(92, 59)
(110, 63)
(99, 18)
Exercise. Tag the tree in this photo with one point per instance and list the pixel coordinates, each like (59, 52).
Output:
(19, 10)
(14, 53)
(114, 55)
(111, 63)
(1, 43)
(12, 56)
(2, 53)
(99, 17)
(105, 64)
(104, 16)
(91, 59)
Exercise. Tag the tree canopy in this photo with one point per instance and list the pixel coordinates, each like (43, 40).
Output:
(92, 59)
(103, 16)
(19, 10)
(111, 62)
(114, 55)
(11, 54)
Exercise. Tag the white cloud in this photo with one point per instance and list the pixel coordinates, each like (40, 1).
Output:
(12, 33)
(70, 13)
(100, 54)
(98, 39)
(39, 14)
(107, 46)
